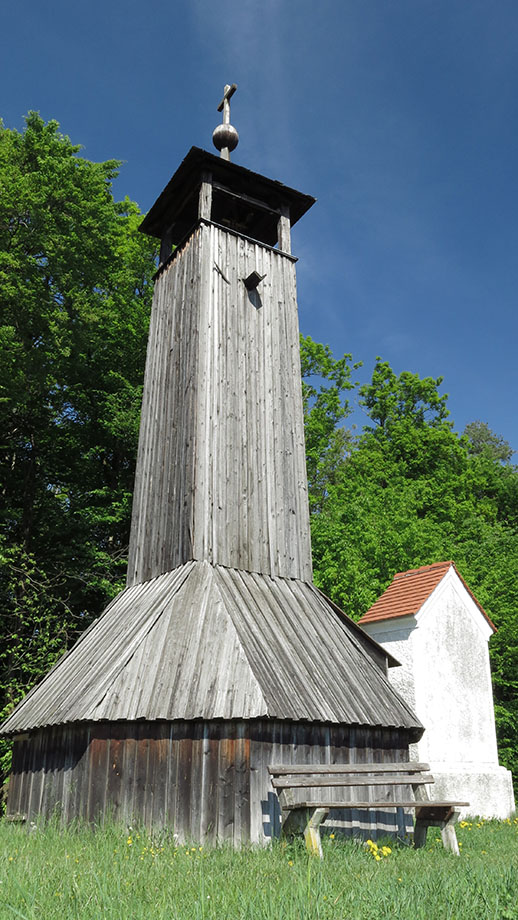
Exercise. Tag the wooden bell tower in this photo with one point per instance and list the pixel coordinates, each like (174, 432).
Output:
(220, 656)
(221, 473)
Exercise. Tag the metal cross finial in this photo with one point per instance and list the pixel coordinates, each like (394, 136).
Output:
(224, 105)
(225, 137)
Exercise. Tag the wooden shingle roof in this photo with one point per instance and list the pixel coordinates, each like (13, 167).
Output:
(209, 642)
(409, 590)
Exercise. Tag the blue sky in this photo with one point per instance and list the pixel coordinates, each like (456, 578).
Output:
(400, 116)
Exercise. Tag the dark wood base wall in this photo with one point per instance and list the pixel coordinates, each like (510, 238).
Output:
(206, 781)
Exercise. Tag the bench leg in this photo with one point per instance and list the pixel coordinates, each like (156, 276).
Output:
(420, 830)
(312, 832)
(449, 837)
(446, 823)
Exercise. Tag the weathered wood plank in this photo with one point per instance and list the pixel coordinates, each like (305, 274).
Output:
(353, 768)
(284, 229)
(98, 774)
(374, 804)
(205, 200)
(297, 781)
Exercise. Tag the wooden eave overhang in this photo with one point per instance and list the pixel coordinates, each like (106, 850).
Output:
(242, 199)
(373, 648)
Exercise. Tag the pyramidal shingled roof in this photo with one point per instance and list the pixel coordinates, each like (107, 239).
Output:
(409, 590)
(209, 642)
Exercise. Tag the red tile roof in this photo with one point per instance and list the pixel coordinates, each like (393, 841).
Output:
(408, 592)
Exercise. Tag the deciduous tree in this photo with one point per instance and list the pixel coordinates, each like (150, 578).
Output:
(75, 289)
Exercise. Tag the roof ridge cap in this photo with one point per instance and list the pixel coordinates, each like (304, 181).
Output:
(423, 568)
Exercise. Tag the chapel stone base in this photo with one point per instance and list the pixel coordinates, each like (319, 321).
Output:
(487, 787)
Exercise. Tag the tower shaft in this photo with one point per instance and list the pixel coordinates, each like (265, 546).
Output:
(221, 473)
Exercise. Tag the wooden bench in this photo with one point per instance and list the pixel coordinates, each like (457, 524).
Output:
(307, 816)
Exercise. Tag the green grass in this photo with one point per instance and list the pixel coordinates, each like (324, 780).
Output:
(53, 874)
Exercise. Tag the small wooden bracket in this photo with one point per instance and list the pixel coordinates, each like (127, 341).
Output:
(252, 280)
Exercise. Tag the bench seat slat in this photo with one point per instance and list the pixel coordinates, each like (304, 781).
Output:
(374, 805)
(301, 782)
(362, 768)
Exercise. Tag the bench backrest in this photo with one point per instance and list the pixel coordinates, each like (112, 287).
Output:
(292, 776)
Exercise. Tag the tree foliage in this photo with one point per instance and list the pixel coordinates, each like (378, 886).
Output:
(484, 441)
(75, 289)
(325, 384)
(411, 491)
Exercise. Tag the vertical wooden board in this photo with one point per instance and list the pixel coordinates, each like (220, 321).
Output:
(80, 780)
(162, 461)
(140, 490)
(25, 776)
(203, 386)
(159, 781)
(17, 778)
(183, 787)
(31, 797)
(77, 786)
(273, 752)
(172, 778)
(170, 467)
(306, 748)
(226, 785)
(359, 754)
(284, 229)
(242, 785)
(152, 778)
(44, 771)
(141, 789)
(51, 757)
(260, 784)
(318, 737)
(189, 398)
(158, 433)
(98, 772)
(68, 772)
(26, 800)
(37, 774)
(209, 781)
(339, 752)
(205, 198)
(115, 777)
(196, 802)
(60, 743)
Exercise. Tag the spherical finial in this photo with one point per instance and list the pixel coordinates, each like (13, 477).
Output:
(225, 136)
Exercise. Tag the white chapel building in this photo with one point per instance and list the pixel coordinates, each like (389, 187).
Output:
(432, 623)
